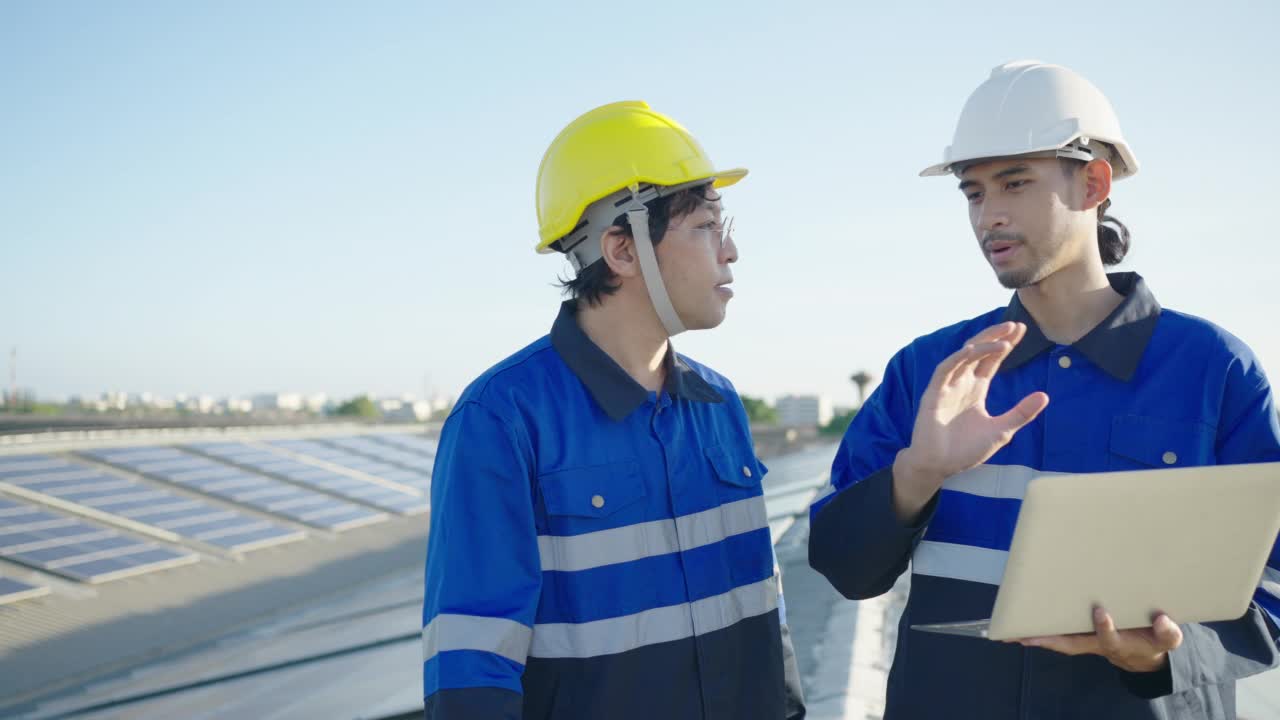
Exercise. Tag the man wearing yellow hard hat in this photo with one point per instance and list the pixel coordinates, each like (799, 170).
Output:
(1082, 372)
(599, 546)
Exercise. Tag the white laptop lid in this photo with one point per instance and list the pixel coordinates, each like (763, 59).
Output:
(1191, 542)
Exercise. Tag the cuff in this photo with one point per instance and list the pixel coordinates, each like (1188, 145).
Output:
(1149, 685)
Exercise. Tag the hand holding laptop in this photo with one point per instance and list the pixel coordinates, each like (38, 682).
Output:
(1136, 650)
(1047, 584)
(1084, 540)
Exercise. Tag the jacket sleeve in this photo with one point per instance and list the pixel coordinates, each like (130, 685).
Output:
(855, 538)
(483, 574)
(1219, 652)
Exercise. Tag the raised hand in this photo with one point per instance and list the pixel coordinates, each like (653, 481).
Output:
(953, 431)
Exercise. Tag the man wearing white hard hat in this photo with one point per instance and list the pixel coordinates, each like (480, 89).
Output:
(1082, 372)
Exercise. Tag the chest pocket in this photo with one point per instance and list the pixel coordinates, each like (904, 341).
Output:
(738, 471)
(1139, 441)
(593, 497)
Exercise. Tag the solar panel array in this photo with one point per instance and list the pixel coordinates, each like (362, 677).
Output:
(14, 590)
(189, 517)
(392, 495)
(253, 490)
(416, 443)
(417, 479)
(70, 516)
(76, 549)
(385, 452)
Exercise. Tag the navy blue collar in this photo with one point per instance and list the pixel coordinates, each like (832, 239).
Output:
(1116, 345)
(616, 392)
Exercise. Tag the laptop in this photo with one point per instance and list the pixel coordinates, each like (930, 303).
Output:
(1189, 542)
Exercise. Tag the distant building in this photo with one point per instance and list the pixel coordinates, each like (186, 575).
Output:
(113, 400)
(803, 410)
(406, 408)
(238, 405)
(290, 402)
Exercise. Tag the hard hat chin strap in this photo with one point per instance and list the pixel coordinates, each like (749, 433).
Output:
(638, 217)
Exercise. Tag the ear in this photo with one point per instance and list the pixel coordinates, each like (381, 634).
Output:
(1097, 184)
(618, 249)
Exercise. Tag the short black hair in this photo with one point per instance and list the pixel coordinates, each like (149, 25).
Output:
(1114, 239)
(597, 281)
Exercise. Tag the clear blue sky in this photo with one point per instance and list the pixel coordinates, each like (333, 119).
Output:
(238, 197)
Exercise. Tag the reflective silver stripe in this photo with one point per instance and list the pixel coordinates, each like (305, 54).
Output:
(995, 481)
(499, 636)
(716, 524)
(606, 547)
(650, 539)
(721, 611)
(1271, 582)
(961, 562)
(664, 624)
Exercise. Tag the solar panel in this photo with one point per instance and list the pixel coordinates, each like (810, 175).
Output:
(76, 549)
(385, 493)
(415, 443)
(356, 461)
(14, 590)
(223, 481)
(182, 515)
(365, 445)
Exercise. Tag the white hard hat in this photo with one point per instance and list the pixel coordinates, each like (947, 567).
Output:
(1028, 107)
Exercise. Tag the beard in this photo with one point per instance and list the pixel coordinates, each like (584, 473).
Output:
(1018, 279)
(1037, 267)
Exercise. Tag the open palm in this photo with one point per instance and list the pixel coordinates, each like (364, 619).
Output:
(953, 431)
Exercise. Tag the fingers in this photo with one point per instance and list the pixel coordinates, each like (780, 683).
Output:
(1164, 635)
(1024, 412)
(995, 333)
(1168, 635)
(974, 355)
(942, 373)
(1140, 650)
(953, 366)
(1019, 332)
(1105, 628)
(997, 340)
(1001, 339)
(990, 364)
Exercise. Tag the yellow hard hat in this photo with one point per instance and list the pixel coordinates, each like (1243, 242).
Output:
(612, 147)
